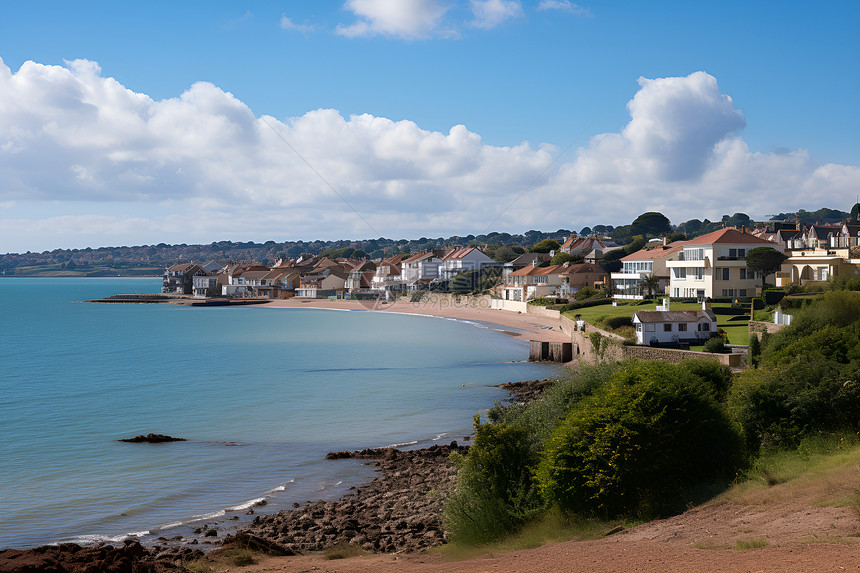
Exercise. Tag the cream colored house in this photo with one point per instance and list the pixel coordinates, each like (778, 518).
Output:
(714, 266)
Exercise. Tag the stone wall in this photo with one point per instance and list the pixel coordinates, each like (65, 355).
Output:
(674, 355)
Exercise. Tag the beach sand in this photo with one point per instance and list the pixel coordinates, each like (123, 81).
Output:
(526, 326)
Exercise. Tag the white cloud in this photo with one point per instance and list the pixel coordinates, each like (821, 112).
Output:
(490, 13)
(287, 24)
(86, 161)
(564, 6)
(406, 19)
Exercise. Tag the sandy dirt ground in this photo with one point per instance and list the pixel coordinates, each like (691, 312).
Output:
(527, 326)
(798, 538)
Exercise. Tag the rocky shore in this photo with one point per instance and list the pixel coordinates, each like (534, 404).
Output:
(399, 511)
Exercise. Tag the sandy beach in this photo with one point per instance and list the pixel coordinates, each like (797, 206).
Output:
(526, 326)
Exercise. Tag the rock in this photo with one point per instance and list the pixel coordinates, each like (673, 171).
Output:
(151, 439)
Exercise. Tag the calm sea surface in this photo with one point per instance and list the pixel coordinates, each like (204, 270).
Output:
(261, 394)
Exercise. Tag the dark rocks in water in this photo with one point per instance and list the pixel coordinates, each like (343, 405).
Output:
(527, 391)
(151, 439)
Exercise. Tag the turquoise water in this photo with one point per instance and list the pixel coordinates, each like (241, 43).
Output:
(261, 394)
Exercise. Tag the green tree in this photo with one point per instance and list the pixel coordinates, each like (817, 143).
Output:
(561, 258)
(640, 445)
(651, 223)
(651, 283)
(764, 260)
(545, 246)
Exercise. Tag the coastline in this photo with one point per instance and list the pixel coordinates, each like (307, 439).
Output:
(524, 326)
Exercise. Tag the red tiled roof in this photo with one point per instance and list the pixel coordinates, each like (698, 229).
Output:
(727, 235)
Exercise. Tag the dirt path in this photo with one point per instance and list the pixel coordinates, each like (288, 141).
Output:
(799, 526)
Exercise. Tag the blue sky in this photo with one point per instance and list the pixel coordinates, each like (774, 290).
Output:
(152, 122)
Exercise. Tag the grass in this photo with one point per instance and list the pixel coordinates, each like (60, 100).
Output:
(735, 322)
(742, 545)
(824, 470)
(554, 527)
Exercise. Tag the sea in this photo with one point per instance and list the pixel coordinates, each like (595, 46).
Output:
(259, 394)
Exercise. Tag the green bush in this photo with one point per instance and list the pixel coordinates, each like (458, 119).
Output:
(715, 345)
(641, 445)
(495, 491)
(808, 378)
(617, 322)
(585, 293)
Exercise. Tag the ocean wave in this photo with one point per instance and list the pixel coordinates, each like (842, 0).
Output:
(247, 505)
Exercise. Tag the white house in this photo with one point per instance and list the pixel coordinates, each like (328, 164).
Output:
(638, 265)
(418, 270)
(462, 260)
(673, 326)
(714, 266)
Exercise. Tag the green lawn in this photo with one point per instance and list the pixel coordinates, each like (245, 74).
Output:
(734, 321)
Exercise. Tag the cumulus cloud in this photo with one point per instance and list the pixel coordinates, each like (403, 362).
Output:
(406, 19)
(83, 157)
(564, 6)
(490, 13)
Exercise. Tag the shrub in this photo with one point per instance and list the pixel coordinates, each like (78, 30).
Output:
(495, 492)
(640, 445)
(617, 322)
(586, 293)
(715, 345)
(754, 350)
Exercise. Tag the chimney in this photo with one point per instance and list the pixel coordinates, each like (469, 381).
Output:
(664, 241)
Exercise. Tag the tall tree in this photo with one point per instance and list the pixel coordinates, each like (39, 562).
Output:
(764, 260)
(651, 223)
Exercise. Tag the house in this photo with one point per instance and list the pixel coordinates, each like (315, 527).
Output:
(419, 270)
(655, 327)
(179, 279)
(208, 284)
(388, 275)
(628, 284)
(532, 282)
(326, 284)
(526, 260)
(714, 266)
(464, 259)
(592, 248)
(577, 276)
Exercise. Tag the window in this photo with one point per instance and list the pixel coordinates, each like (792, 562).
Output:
(723, 274)
(682, 327)
(676, 292)
(744, 274)
(733, 253)
(650, 327)
(699, 274)
(667, 327)
(680, 273)
(694, 254)
(743, 292)
(742, 253)
(704, 327)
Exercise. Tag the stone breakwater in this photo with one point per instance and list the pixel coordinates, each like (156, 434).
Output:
(399, 511)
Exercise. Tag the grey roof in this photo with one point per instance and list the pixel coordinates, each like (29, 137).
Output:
(674, 315)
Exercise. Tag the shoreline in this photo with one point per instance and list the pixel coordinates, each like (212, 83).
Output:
(522, 325)
(398, 511)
